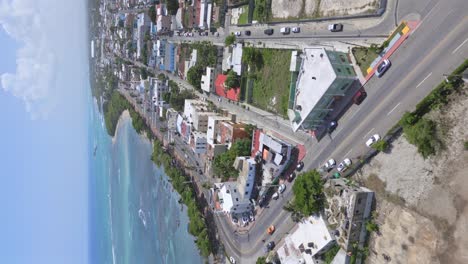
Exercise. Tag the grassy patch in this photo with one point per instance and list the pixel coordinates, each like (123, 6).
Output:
(364, 57)
(244, 17)
(271, 84)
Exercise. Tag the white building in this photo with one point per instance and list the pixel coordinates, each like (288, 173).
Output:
(196, 113)
(198, 142)
(247, 169)
(207, 80)
(159, 88)
(310, 239)
(143, 26)
(205, 14)
(236, 59)
(212, 130)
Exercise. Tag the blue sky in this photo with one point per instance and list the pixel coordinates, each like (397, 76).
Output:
(43, 137)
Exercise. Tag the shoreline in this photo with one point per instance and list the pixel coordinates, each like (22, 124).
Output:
(125, 116)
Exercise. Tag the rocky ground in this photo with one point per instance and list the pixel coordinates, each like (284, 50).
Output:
(321, 8)
(422, 205)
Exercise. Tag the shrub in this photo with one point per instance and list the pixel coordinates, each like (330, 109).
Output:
(229, 40)
(380, 145)
(466, 145)
(422, 135)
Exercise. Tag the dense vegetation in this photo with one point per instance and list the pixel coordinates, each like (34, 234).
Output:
(229, 40)
(232, 80)
(421, 131)
(261, 260)
(331, 253)
(261, 11)
(197, 226)
(172, 6)
(176, 97)
(223, 164)
(114, 107)
(308, 195)
(207, 54)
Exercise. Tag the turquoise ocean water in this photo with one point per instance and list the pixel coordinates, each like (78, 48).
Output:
(134, 215)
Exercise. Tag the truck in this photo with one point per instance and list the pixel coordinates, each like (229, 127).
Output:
(285, 30)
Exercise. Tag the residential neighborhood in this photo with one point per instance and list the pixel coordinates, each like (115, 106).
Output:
(274, 115)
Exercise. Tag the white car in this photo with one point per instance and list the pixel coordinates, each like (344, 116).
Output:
(344, 165)
(232, 260)
(330, 164)
(275, 196)
(281, 188)
(296, 29)
(237, 33)
(372, 140)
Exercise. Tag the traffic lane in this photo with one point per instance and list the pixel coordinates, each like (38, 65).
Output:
(404, 94)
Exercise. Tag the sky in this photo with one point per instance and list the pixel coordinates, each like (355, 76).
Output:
(44, 148)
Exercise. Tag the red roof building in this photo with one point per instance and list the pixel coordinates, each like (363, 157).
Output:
(221, 90)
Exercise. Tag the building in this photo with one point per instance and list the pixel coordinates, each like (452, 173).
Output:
(232, 94)
(169, 57)
(246, 180)
(213, 127)
(207, 80)
(229, 132)
(275, 154)
(349, 208)
(198, 142)
(190, 63)
(159, 88)
(319, 79)
(142, 27)
(204, 21)
(310, 239)
(163, 21)
(196, 113)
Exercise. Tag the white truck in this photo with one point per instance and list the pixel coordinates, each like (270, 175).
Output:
(285, 30)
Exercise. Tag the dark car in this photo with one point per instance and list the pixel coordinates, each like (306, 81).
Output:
(359, 97)
(332, 126)
(382, 68)
(268, 31)
(291, 177)
(299, 166)
(247, 32)
(271, 245)
(262, 201)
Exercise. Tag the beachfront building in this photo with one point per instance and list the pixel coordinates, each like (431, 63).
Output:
(229, 132)
(310, 239)
(196, 113)
(198, 142)
(350, 208)
(159, 87)
(142, 27)
(213, 128)
(319, 79)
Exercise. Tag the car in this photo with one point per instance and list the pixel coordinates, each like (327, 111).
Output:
(330, 164)
(247, 32)
(281, 188)
(291, 177)
(285, 30)
(335, 27)
(238, 33)
(372, 140)
(268, 31)
(275, 196)
(232, 260)
(299, 166)
(271, 229)
(382, 68)
(359, 97)
(234, 220)
(245, 220)
(270, 246)
(344, 165)
(296, 29)
(332, 126)
(336, 175)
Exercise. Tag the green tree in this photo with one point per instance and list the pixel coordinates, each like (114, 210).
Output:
(253, 57)
(232, 80)
(380, 145)
(223, 163)
(423, 135)
(308, 193)
(371, 226)
(194, 75)
(261, 260)
(152, 13)
(172, 6)
(331, 253)
(229, 40)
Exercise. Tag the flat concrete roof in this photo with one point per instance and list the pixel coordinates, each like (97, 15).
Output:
(315, 77)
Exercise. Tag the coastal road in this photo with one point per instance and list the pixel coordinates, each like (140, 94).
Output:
(436, 47)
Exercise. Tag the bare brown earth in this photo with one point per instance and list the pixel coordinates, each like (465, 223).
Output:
(422, 204)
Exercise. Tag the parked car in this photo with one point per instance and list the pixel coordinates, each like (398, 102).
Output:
(232, 260)
(275, 196)
(285, 30)
(382, 68)
(271, 230)
(335, 27)
(344, 165)
(332, 126)
(299, 166)
(268, 31)
(251, 217)
(330, 164)
(234, 220)
(262, 201)
(372, 140)
(238, 33)
(270, 246)
(296, 29)
(281, 188)
(245, 220)
(359, 97)
(247, 32)
(336, 175)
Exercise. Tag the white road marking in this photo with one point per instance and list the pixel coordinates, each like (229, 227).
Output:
(347, 153)
(455, 50)
(364, 137)
(419, 84)
(393, 109)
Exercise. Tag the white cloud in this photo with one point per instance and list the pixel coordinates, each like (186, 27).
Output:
(31, 24)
